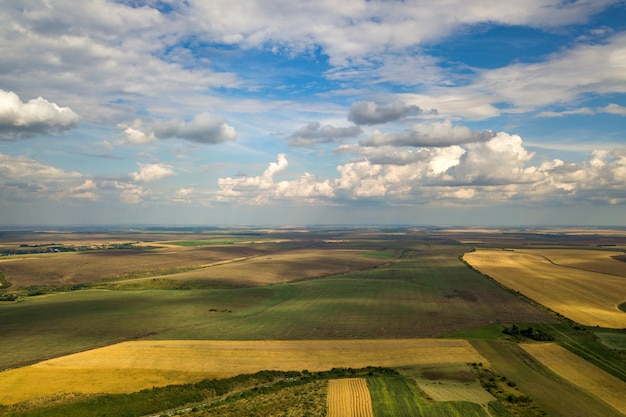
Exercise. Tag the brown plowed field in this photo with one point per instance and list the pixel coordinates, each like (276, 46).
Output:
(579, 293)
(81, 267)
(349, 398)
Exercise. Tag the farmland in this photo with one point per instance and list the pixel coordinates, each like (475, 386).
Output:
(132, 310)
(585, 286)
(349, 397)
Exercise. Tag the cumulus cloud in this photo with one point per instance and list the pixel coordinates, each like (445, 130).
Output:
(314, 133)
(152, 172)
(35, 117)
(204, 128)
(438, 134)
(370, 113)
(264, 188)
(86, 191)
(137, 135)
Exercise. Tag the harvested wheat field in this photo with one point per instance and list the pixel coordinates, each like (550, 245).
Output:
(132, 366)
(585, 296)
(349, 398)
(589, 260)
(581, 373)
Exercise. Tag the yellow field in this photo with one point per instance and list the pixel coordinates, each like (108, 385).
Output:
(349, 398)
(581, 373)
(589, 260)
(579, 293)
(131, 366)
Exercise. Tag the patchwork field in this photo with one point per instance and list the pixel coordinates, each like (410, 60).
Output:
(142, 309)
(131, 366)
(349, 397)
(579, 293)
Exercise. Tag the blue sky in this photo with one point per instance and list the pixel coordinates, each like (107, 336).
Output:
(311, 112)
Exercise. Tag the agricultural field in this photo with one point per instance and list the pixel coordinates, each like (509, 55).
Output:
(580, 373)
(132, 366)
(349, 397)
(585, 286)
(131, 310)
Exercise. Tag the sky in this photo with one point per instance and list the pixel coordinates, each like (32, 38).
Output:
(298, 112)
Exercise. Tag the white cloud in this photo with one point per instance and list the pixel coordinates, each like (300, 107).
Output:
(21, 167)
(370, 113)
(314, 133)
(37, 116)
(583, 111)
(436, 134)
(523, 87)
(562, 78)
(25, 179)
(132, 194)
(264, 188)
(204, 128)
(152, 172)
(358, 28)
(501, 160)
(610, 108)
(613, 109)
(134, 134)
(85, 191)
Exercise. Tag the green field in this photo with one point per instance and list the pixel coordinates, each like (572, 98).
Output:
(423, 294)
(398, 396)
(420, 288)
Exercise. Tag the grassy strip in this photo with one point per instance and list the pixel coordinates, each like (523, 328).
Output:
(399, 396)
(181, 399)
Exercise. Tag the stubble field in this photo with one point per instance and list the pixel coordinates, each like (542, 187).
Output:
(567, 282)
(349, 397)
